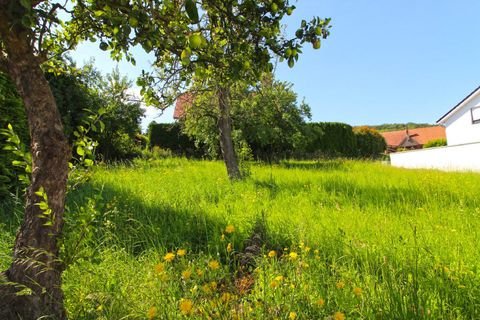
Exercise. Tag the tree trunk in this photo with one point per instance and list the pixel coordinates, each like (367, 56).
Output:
(35, 272)
(225, 131)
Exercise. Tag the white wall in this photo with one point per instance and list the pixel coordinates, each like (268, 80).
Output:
(459, 127)
(464, 157)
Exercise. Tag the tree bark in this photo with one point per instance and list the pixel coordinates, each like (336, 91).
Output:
(225, 131)
(36, 268)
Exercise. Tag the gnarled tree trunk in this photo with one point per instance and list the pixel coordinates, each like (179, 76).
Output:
(225, 131)
(36, 267)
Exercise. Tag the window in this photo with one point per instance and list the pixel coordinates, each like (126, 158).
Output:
(475, 115)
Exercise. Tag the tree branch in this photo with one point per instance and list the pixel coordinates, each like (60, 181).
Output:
(44, 25)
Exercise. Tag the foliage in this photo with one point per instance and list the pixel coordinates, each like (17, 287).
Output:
(12, 111)
(267, 118)
(170, 136)
(435, 143)
(399, 126)
(369, 143)
(230, 41)
(122, 117)
(353, 225)
(329, 139)
(270, 119)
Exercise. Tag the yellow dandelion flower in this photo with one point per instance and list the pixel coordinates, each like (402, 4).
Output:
(230, 229)
(213, 285)
(186, 306)
(279, 278)
(229, 247)
(272, 253)
(339, 316)
(186, 274)
(293, 256)
(307, 249)
(274, 284)
(357, 291)
(169, 257)
(206, 289)
(340, 285)
(226, 297)
(292, 315)
(181, 252)
(199, 272)
(316, 251)
(321, 302)
(214, 265)
(222, 237)
(152, 312)
(159, 267)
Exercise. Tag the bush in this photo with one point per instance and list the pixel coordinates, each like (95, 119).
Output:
(170, 136)
(329, 139)
(435, 143)
(370, 143)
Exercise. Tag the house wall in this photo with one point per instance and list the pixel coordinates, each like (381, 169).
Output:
(464, 157)
(459, 127)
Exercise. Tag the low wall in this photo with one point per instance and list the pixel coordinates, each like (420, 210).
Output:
(464, 157)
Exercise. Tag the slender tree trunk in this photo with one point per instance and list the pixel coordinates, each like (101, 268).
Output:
(225, 130)
(36, 268)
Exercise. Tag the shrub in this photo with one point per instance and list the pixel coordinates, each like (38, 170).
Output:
(435, 143)
(329, 139)
(170, 136)
(370, 143)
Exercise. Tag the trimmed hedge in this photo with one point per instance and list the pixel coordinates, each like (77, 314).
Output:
(329, 139)
(334, 139)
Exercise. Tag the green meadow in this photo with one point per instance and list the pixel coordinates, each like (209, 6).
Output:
(174, 239)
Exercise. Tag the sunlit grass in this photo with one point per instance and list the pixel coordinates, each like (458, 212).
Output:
(340, 238)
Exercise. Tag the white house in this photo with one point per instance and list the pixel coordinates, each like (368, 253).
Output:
(462, 124)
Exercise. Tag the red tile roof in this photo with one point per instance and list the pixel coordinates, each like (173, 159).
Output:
(182, 104)
(420, 135)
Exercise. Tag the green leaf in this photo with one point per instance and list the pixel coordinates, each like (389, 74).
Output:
(80, 151)
(40, 192)
(192, 11)
(88, 162)
(43, 206)
(133, 22)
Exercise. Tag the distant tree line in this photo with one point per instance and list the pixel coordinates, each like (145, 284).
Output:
(400, 126)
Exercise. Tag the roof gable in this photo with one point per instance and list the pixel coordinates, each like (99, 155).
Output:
(182, 104)
(459, 106)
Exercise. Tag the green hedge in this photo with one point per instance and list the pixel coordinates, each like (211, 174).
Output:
(170, 136)
(334, 139)
(329, 139)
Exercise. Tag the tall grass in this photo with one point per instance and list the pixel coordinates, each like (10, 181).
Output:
(346, 239)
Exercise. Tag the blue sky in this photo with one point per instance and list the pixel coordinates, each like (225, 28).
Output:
(384, 62)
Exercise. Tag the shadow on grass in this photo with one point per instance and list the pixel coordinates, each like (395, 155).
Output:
(126, 221)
